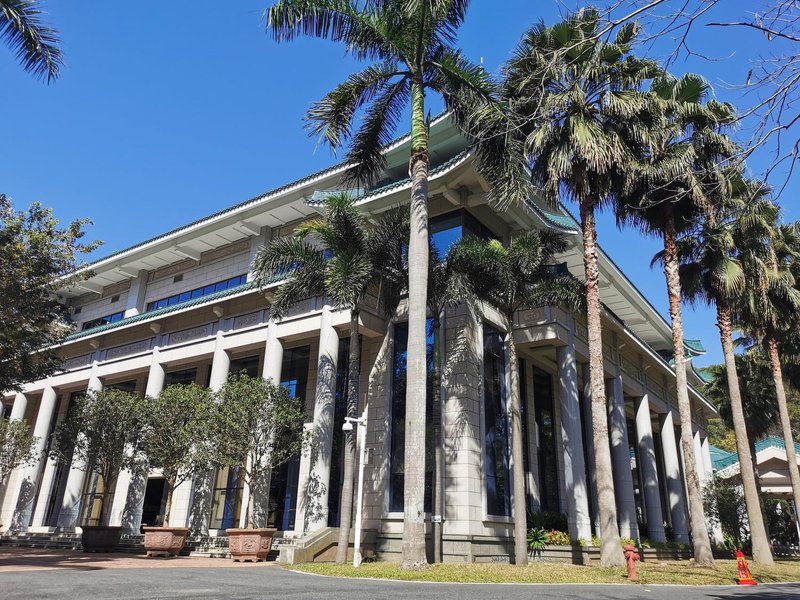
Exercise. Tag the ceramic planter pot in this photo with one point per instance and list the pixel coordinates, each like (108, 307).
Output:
(164, 541)
(100, 538)
(250, 544)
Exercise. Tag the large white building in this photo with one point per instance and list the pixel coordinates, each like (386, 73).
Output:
(181, 307)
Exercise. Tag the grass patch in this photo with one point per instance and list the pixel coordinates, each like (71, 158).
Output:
(676, 572)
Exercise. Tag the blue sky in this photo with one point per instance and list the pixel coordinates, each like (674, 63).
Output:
(169, 111)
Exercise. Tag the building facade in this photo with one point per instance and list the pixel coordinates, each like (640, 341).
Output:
(182, 307)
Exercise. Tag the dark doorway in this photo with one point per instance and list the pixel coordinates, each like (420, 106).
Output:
(153, 499)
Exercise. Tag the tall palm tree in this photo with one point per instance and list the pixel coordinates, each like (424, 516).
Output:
(768, 312)
(509, 279)
(714, 267)
(569, 96)
(337, 256)
(411, 46)
(677, 174)
(35, 43)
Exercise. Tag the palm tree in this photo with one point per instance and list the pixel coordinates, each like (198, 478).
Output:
(35, 44)
(677, 174)
(714, 267)
(510, 279)
(339, 257)
(569, 95)
(768, 312)
(411, 46)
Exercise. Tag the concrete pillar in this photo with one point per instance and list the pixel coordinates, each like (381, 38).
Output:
(716, 531)
(71, 504)
(649, 470)
(51, 469)
(587, 418)
(12, 487)
(672, 473)
(273, 361)
(621, 460)
(698, 458)
(30, 478)
(256, 243)
(129, 493)
(192, 500)
(580, 526)
(136, 294)
(315, 468)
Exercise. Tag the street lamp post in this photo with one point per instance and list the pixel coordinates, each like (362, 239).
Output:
(362, 452)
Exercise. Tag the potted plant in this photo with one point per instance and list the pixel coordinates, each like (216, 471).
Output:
(102, 435)
(258, 427)
(176, 440)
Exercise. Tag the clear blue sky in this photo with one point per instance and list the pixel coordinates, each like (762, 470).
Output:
(169, 111)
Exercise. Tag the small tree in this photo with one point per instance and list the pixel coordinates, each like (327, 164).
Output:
(177, 432)
(103, 432)
(258, 426)
(16, 446)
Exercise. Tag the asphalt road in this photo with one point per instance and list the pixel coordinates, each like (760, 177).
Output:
(273, 582)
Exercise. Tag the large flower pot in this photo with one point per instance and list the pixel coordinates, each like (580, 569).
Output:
(250, 544)
(100, 538)
(164, 541)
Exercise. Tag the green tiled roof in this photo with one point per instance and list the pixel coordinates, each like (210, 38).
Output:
(161, 311)
(722, 459)
(561, 221)
(695, 346)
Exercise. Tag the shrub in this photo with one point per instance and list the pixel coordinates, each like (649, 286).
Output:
(537, 539)
(558, 538)
(547, 520)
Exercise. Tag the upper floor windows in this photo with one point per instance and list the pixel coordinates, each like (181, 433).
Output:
(197, 293)
(112, 318)
(450, 227)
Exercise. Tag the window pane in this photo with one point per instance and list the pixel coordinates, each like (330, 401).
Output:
(496, 442)
(197, 293)
(185, 296)
(209, 289)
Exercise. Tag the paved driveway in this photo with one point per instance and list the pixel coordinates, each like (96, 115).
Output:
(85, 582)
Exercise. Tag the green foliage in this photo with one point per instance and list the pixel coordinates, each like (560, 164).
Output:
(724, 506)
(538, 538)
(720, 435)
(102, 433)
(258, 426)
(16, 446)
(177, 432)
(35, 257)
(547, 520)
(35, 44)
(781, 526)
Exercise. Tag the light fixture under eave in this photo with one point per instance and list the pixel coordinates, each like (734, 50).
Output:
(156, 327)
(218, 310)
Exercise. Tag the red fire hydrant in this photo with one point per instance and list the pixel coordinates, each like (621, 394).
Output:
(631, 558)
(744, 572)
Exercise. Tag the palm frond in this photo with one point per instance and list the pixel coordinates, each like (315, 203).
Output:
(35, 44)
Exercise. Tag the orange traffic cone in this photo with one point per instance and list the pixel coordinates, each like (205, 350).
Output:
(744, 573)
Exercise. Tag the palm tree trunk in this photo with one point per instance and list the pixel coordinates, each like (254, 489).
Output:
(700, 540)
(515, 411)
(786, 425)
(168, 505)
(761, 550)
(438, 450)
(416, 374)
(346, 504)
(610, 544)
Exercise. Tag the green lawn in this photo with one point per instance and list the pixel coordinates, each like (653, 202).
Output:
(679, 572)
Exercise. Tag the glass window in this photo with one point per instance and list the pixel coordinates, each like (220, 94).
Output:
(398, 432)
(105, 320)
(495, 414)
(449, 228)
(184, 377)
(284, 479)
(545, 424)
(337, 452)
(197, 293)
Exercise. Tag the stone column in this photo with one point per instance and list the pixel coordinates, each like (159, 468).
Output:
(702, 476)
(580, 526)
(136, 294)
(716, 531)
(314, 487)
(71, 504)
(647, 457)
(51, 468)
(12, 488)
(192, 500)
(621, 460)
(587, 418)
(131, 485)
(273, 360)
(31, 474)
(672, 473)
